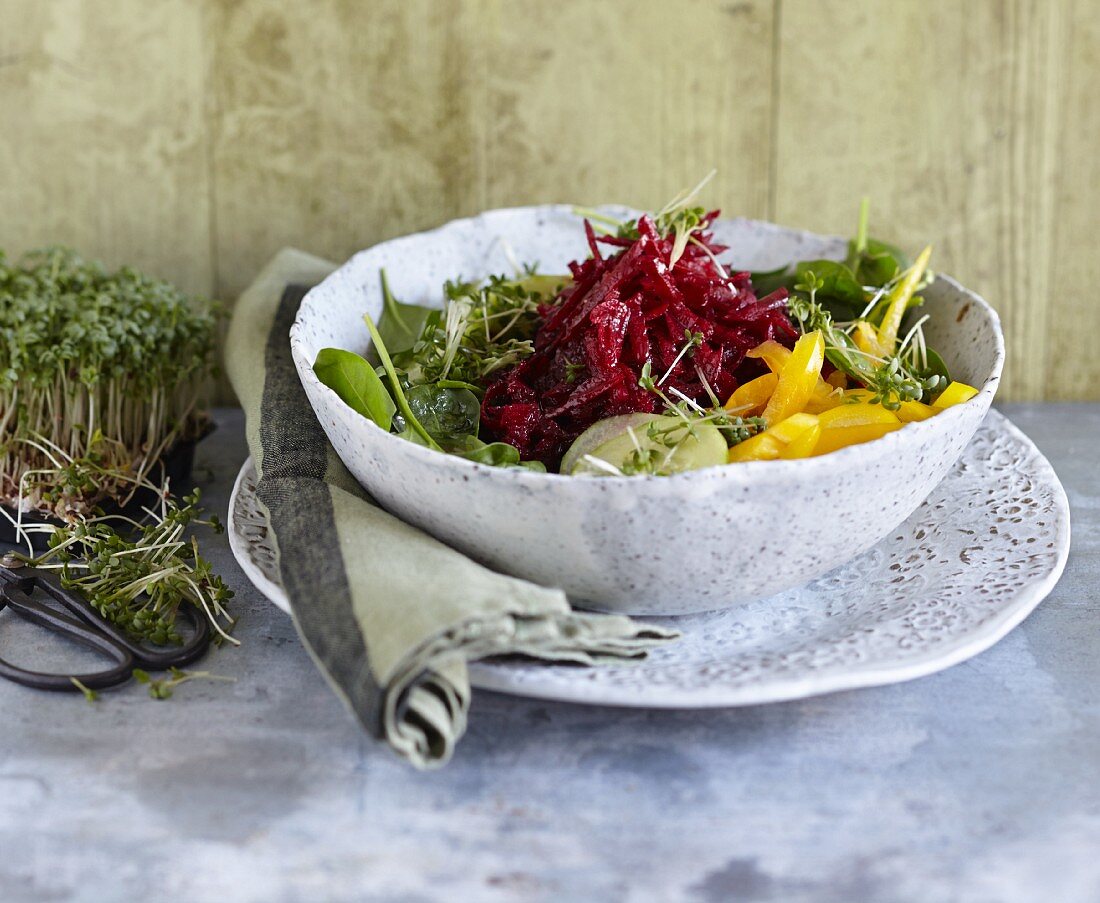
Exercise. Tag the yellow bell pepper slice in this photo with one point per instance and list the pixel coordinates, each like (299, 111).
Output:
(859, 414)
(866, 340)
(775, 356)
(834, 438)
(913, 411)
(751, 397)
(790, 429)
(824, 399)
(955, 393)
(776, 442)
(797, 380)
(899, 300)
(771, 353)
(804, 444)
(761, 447)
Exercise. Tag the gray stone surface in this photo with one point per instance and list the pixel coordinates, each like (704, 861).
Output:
(978, 784)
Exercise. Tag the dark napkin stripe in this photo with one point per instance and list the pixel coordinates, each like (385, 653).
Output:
(293, 442)
(293, 488)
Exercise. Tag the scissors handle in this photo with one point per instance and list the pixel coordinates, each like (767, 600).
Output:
(149, 659)
(91, 629)
(31, 610)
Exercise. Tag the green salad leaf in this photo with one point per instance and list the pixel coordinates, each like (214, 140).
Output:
(395, 385)
(877, 263)
(495, 454)
(449, 415)
(840, 291)
(400, 324)
(356, 382)
(844, 288)
(936, 367)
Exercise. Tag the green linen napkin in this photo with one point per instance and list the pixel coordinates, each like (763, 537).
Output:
(390, 615)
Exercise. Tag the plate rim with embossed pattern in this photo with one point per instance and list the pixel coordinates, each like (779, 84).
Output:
(705, 684)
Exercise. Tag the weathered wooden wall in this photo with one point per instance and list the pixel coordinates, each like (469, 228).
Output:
(195, 138)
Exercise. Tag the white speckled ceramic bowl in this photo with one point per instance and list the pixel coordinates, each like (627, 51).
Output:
(643, 545)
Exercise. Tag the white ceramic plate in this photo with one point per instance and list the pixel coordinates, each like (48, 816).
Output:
(969, 565)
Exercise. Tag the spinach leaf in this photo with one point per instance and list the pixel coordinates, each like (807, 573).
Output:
(841, 292)
(400, 324)
(836, 280)
(880, 263)
(395, 384)
(936, 367)
(355, 381)
(447, 414)
(765, 282)
(495, 454)
(838, 290)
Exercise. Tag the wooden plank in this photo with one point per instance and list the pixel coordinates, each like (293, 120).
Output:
(339, 125)
(334, 126)
(104, 143)
(629, 102)
(1073, 364)
(946, 117)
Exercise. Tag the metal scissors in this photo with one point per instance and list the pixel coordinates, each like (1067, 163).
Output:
(80, 622)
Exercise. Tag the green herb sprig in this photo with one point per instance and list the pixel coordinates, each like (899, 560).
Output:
(165, 687)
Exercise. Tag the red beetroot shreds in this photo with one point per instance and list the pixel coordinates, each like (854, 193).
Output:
(621, 312)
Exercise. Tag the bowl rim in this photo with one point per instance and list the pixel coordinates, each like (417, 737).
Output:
(756, 472)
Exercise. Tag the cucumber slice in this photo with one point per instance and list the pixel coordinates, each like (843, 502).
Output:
(675, 451)
(601, 432)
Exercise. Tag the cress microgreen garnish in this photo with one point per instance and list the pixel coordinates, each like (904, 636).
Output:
(84, 354)
(90, 695)
(165, 687)
(100, 375)
(139, 580)
(136, 573)
(482, 329)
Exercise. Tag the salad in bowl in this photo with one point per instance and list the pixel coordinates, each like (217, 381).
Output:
(623, 413)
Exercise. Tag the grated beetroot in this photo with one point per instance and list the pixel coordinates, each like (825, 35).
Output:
(619, 313)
